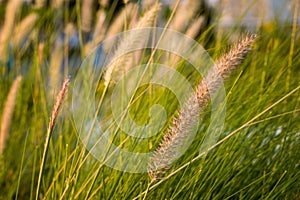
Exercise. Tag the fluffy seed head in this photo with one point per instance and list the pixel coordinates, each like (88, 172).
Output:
(188, 115)
(8, 112)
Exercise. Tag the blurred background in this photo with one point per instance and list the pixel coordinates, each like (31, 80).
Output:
(69, 28)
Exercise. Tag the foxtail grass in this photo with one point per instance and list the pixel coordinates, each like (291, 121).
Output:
(187, 118)
(8, 112)
(12, 10)
(185, 12)
(98, 32)
(87, 15)
(23, 29)
(55, 111)
(121, 20)
(40, 3)
(116, 65)
(256, 157)
(57, 3)
(195, 27)
(56, 61)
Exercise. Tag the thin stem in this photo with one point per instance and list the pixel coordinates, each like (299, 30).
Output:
(221, 141)
(55, 111)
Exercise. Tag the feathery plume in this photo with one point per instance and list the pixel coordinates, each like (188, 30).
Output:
(188, 115)
(57, 3)
(148, 18)
(186, 11)
(195, 27)
(172, 140)
(131, 39)
(192, 32)
(101, 16)
(55, 67)
(56, 108)
(24, 28)
(99, 31)
(12, 9)
(86, 15)
(125, 16)
(40, 3)
(236, 55)
(8, 112)
(224, 65)
(59, 99)
(40, 52)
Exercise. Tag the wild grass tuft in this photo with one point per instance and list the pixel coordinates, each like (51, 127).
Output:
(255, 157)
(188, 116)
(56, 108)
(8, 112)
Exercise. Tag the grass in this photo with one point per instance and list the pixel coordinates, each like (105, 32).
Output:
(255, 157)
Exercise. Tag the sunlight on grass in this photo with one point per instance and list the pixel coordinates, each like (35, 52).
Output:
(255, 157)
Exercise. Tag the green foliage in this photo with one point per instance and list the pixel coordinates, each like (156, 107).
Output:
(260, 161)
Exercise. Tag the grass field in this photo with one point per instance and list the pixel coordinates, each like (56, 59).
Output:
(256, 156)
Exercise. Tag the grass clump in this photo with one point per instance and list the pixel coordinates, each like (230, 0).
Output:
(255, 157)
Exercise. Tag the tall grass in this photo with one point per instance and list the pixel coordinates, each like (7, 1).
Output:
(8, 112)
(256, 156)
(188, 115)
